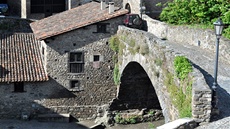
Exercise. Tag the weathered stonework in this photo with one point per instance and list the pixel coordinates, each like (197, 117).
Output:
(56, 95)
(184, 123)
(134, 5)
(96, 80)
(205, 39)
(159, 50)
(150, 7)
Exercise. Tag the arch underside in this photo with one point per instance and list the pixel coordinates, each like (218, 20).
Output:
(136, 90)
(127, 6)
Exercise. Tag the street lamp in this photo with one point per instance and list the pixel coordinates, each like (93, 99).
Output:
(218, 26)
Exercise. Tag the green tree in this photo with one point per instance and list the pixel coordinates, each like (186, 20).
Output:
(197, 12)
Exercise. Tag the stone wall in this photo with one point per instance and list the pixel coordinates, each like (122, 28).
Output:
(56, 96)
(42, 98)
(202, 97)
(184, 123)
(205, 39)
(14, 7)
(154, 72)
(134, 5)
(97, 79)
(151, 9)
(159, 50)
(14, 25)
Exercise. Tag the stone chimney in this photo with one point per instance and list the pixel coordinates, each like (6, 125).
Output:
(111, 7)
(103, 5)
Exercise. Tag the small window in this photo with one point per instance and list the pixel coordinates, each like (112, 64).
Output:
(42, 6)
(43, 51)
(96, 58)
(76, 62)
(75, 85)
(101, 27)
(18, 87)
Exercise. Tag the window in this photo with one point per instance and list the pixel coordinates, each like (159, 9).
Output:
(3, 2)
(18, 87)
(47, 6)
(101, 27)
(43, 51)
(76, 62)
(75, 85)
(3, 72)
(96, 58)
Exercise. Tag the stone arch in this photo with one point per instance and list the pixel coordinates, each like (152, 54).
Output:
(127, 6)
(136, 90)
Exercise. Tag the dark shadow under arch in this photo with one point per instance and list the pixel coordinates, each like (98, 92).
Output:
(127, 6)
(136, 90)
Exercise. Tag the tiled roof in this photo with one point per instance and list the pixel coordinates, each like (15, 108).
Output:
(75, 18)
(20, 58)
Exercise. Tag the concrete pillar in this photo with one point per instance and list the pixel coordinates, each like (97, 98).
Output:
(23, 9)
(111, 7)
(68, 4)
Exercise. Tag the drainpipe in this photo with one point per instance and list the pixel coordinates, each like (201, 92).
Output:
(111, 7)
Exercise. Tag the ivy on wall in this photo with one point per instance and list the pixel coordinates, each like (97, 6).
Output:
(114, 44)
(181, 95)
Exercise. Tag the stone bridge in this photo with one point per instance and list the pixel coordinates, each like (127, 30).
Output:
(145, 62)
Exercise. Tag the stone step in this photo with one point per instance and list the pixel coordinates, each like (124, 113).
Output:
(54, 118)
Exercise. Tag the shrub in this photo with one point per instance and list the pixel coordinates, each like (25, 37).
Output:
(196, 12)
(151, 126)
(129, 120)
(114, 43)
(182, 67)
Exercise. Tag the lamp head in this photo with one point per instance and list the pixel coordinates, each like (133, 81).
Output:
(218, 26)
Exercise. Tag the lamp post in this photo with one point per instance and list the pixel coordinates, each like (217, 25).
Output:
(218, 26)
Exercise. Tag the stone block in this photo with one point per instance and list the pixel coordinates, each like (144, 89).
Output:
(54, 117)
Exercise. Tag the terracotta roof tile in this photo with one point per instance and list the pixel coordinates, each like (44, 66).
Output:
(20, 58)
(73, 19)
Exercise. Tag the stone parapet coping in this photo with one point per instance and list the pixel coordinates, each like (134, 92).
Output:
(204, 38)
(182, 123)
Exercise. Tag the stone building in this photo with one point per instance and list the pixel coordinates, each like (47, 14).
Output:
(21, 74)
(37, 9)
(68, 68)
(150, 7)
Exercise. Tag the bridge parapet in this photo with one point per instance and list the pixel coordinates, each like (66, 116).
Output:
(156, 58)
(204, 38)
